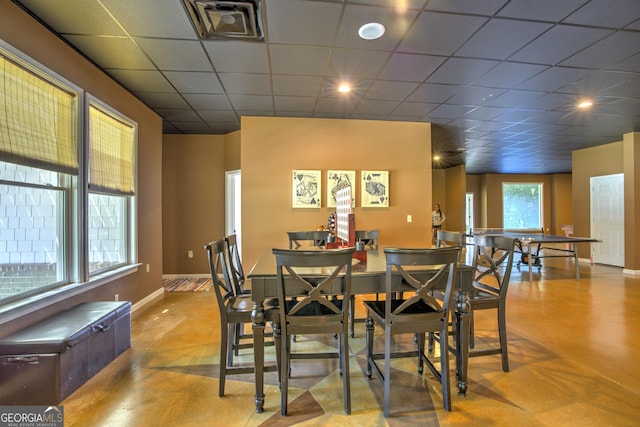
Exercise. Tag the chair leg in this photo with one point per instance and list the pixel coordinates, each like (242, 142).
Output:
(231, 331)
(224, 343)
(502, 333)
(236, 340)
(346, 381)
(352, 316)
(444, 368)
(284, 372)
(421, 339)
(387, 371)
(277, 341)
(369, 341)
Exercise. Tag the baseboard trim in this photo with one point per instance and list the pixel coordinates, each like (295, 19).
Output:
(146, 300)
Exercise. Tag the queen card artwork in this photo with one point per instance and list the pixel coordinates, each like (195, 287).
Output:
(306, 188)
(336, 181)
(375, 189)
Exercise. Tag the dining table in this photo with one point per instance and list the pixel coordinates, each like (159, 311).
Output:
(367, 277)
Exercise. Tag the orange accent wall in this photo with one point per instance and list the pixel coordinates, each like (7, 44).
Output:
(271, 148)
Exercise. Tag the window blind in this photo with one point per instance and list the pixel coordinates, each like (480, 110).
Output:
(111, 154)
(37, 121)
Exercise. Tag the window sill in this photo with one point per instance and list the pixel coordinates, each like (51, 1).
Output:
(17, 309)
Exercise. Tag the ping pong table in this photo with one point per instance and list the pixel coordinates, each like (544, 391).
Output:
(530, 243)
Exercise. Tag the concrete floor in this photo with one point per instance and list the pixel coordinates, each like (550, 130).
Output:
(573, 352)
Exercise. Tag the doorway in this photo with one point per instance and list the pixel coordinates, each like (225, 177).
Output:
(233, 206)
(607, 219)
(469, 223)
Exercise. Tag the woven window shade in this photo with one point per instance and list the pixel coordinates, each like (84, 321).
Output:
(111, 154)
(37, 125)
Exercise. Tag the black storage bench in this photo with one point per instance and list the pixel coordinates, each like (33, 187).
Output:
(46, 362)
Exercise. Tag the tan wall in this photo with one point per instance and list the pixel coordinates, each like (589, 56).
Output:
(595, 161)
(455, 197)
(193, 203)
(26, 35)
(273, 147)
(473, 185)
(631, 147)
(562, 207)
(232, 151)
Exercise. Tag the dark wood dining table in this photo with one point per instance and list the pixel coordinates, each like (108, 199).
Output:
(366, 278)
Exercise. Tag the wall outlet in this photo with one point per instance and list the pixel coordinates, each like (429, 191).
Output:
(148, 268)
(116, 297)
(189, 254)
(409, 218)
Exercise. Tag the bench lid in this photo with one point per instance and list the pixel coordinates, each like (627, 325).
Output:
(57, 333)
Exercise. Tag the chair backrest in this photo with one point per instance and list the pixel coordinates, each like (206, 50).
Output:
(316, 237)
(216, 254)
(446, 239)
(235, 264)
(430, 272)
(368, 237)
(311, 276)
(492, 262)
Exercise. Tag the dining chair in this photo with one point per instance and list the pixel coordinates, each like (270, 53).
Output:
(316, 238)
(429, 275)
(492, 262)
(313, 277)
(368, 237)
(370, 240)
(241, 287)
(234, 309)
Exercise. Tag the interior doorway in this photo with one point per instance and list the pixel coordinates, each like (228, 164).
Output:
(468, 215)
(607, 219)
(233, 206)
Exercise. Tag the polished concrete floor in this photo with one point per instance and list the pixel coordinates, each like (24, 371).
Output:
(573, 351)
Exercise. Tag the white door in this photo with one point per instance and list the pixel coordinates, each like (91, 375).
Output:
(469, 213)
(607, 219)
(233, 205)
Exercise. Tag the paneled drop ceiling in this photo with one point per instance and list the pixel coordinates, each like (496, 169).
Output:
(499, 79)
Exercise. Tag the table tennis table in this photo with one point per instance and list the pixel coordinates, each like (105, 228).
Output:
(530, 243)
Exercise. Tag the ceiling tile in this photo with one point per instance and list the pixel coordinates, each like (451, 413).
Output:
(544, 10)
(508, 75)
(606, 13)
(112, 52)
(559, 43)
(244, 83)
(395, 91)
(491, 40)
(461, 71)
(225, 59)
(176, 55)
(411, 67)
(423, 36)
(194, 82)
(302, 22)
(485, 7)
(356, 63)
(606, 52)
(141, 80)
(208, 101)
(297, 85)
(305, 60)
(553, 78)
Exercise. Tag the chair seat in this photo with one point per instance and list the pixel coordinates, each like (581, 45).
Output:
(419, 307)
(244, 303)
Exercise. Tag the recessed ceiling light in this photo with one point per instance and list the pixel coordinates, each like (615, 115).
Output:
(344, 88)
(585, 104)
(371, 31)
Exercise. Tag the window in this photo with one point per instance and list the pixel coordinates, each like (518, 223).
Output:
(67, 203)
(522, 205)
(111, 187)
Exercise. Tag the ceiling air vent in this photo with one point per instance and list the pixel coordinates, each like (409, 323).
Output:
(215, 19)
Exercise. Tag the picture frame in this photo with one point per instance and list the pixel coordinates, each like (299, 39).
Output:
(337, 180)
(374, 191)
(306, 189)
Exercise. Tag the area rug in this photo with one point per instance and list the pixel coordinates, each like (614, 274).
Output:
(179, 284)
